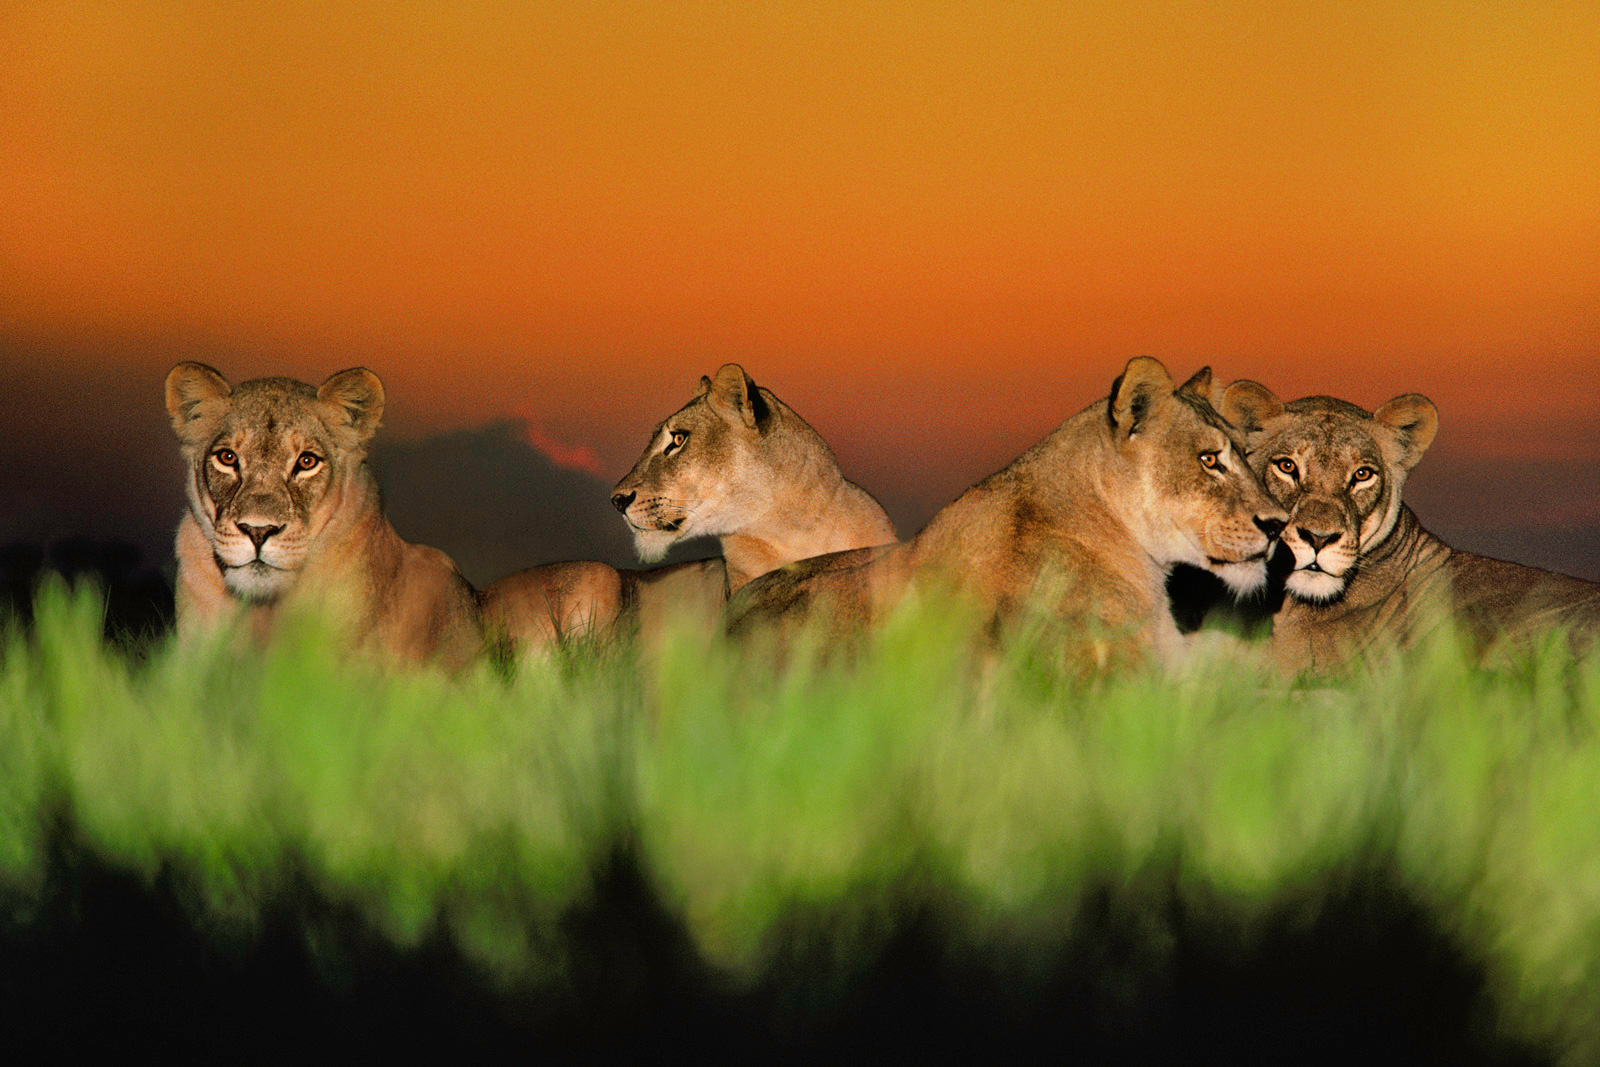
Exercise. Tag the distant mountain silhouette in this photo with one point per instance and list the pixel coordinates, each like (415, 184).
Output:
(496, 504)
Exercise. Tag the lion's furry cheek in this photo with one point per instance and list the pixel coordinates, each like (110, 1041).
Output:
(1378, 525)
(1179, 539)
(1317, 587)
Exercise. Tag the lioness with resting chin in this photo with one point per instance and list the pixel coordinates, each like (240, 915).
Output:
(284, 515)
(1367, 576)
(1093, 518)
(735, 463)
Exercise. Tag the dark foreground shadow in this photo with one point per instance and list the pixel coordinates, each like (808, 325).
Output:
(1199, 598)
(138, 605)
(108, 965)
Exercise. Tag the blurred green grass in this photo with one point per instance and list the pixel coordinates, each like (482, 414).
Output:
(908, 778)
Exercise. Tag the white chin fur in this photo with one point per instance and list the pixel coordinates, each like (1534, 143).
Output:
(651, 545)
(256, 582)
(1243, 578)
(1315, 586)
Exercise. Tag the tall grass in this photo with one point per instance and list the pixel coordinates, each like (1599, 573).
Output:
(998, 797)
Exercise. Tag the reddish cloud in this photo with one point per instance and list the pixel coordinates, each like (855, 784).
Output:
(572, 457)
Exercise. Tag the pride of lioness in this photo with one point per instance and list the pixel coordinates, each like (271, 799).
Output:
(1367, 576)
(735, 463)
(284, 514)
(1092, 518)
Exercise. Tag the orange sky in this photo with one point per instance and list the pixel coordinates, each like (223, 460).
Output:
(935, 228)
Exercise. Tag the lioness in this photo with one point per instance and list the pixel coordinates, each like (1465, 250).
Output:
(735, 463)
(1094, 516)
(1367, 575)
(283, 512)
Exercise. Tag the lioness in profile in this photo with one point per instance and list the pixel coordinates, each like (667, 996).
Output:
(1367, 576)
(283, 513)
(1093, 517)
(735, 463)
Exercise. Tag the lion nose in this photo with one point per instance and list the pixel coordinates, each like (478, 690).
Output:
(1271, 527)
(258, 534)
(620, 501)
(1317, 541)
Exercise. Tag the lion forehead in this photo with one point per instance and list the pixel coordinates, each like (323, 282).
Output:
(271, 410)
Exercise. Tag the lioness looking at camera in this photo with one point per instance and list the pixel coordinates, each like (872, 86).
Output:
(284, 514)
(1091, 519)
(735, 463)
(1367, 576)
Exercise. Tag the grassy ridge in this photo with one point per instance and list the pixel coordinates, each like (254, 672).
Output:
(999, 798)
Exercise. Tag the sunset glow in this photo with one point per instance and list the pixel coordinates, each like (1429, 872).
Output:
(933, 229)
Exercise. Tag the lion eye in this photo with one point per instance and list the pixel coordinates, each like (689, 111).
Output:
(308, 461)
(1285, 466)
(1211, 461)
(226, 457)
(1363, 474)
(678, 438)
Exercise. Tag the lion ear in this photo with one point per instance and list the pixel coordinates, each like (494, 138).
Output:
(1249, 406)
(1414, 417)
(1135, 392)
(357, 396)
(703, 388)
(196, 397)
(1198, 385)
(736, 395)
